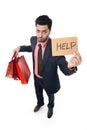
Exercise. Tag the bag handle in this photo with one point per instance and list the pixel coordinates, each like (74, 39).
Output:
(14, 56)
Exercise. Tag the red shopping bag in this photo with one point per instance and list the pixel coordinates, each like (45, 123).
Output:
(11, 71)
(23, 69)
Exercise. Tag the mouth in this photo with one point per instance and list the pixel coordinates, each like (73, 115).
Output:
(40, 39)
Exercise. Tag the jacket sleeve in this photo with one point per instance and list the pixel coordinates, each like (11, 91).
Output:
(26, 49)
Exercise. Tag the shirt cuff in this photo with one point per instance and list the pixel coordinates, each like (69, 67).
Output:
(72, 68)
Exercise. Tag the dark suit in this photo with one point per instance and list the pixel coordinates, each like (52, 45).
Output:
(50, 81)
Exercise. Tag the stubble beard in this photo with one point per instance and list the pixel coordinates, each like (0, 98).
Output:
(42, 40)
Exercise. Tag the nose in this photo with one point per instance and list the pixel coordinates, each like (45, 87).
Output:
(40, 34)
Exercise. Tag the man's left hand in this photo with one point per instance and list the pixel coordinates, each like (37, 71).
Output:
(75, 60)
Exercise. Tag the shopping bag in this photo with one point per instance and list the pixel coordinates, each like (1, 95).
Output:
(15, 72)
(11, 71)
(23, 69)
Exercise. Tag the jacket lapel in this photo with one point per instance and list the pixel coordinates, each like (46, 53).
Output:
(33, 42)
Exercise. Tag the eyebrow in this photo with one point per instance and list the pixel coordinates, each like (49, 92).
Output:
(42, 30)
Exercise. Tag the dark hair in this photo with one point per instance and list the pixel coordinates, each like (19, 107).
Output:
(44, 20)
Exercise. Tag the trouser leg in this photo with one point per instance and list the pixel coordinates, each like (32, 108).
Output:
(39, 92)
(50, 100)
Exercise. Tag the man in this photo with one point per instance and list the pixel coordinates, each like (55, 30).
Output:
(48, 78)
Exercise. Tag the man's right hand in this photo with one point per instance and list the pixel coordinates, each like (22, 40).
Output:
(16, 50)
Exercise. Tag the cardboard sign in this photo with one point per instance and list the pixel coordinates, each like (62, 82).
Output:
(64, 46)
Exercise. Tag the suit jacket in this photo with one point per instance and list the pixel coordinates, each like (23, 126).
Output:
(50, 66)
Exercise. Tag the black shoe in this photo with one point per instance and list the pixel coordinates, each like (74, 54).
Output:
(37, 107)
(50, 112)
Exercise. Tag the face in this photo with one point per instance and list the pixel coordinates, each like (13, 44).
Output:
(42, 32)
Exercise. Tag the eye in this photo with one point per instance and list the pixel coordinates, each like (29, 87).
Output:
(37, 31)
(45, 31)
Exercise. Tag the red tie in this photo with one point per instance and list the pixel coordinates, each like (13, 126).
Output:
(39, 59)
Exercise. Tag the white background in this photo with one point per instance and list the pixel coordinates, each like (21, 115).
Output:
(16, 100)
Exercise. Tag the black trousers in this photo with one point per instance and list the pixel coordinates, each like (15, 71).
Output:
(39, 86)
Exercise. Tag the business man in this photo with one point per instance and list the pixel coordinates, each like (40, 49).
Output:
(45, 66)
